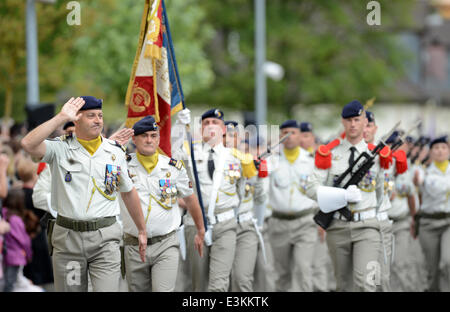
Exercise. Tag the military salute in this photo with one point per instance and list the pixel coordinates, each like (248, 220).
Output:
(88, 171)
(292, 230)
(159, 181)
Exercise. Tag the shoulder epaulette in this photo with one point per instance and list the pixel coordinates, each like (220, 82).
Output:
(65, 137)
(176, 163)
(323, 156)
(117, 144)
(385, 156)
(401, 161)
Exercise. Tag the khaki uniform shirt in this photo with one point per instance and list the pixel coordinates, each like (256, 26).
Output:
(78, 179)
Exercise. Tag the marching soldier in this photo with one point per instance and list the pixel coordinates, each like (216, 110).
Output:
(434, 229)
(384, 205)
(322, 267)
(354, 245)
(220, 179)
(248, 235)
(404, 270)
(159, 181)
(292, 231)
(88, 171)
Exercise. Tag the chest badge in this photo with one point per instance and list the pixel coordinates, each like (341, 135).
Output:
(168, 174)
(113, 157)
(68, 177)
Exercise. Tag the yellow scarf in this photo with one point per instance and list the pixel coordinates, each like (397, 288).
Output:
(148, 162)
(443, 165)
(311, 150)
(91, 145)
(292, 154)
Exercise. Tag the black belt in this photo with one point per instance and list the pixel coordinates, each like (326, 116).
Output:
(438, 215)
(291, 215)
(131, 240)
(84, 226)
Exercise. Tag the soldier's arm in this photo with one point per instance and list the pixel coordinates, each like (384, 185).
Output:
(133, 204)
(33, 142)
(41, 189)
(193, 207)
(316, 179)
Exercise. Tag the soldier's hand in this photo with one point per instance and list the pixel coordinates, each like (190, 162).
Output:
(184, 116)
(142, 237)
(4, 162)
(412, 228)
(322, 234)
(122, 136)
(71, 108)
(198, 242)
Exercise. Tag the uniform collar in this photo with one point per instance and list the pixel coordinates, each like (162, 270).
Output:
(217, 149)
(360, 147)
(162, 162)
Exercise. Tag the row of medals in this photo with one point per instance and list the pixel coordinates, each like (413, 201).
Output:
(169, 194)
(232, 175)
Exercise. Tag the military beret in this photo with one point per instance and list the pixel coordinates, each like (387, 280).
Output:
(370, 116)
(290, 124)
(409, 139)
(393, 137)
(147, 123)
(213, 113)
(91, 102)
(441, 139)
(68, 124)
(352, 109)
(231, 124)
(305, 127)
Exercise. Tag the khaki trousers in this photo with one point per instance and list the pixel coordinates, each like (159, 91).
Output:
(212, 271)
(385, 258)
(355, 250)
(323, 275)
(75, 254)
(244, 258)
(407, 266)
(264, 272)
(159, 272)
(292, 243)
(434, 236)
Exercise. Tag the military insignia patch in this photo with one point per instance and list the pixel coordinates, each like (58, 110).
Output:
(176, 163)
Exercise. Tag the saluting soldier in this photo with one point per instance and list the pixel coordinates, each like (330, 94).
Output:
(292, 231)
(248, 235)
(159, 181)
(220, 179)
(88, 171)
(434, 229)
(354, 245)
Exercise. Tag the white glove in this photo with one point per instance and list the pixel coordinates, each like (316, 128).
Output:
(353, 194)
(184, 116)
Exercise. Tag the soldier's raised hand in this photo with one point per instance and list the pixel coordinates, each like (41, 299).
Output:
(122, 136)
(71, 108)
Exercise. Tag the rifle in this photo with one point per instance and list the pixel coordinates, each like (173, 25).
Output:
(366, 161)
(421, 142)
(402, 138)
(269, 150)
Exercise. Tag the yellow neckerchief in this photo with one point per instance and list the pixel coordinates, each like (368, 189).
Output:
(292, 154)
(310, 150)
(443, 165)
(91, 145)
(148, 162)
